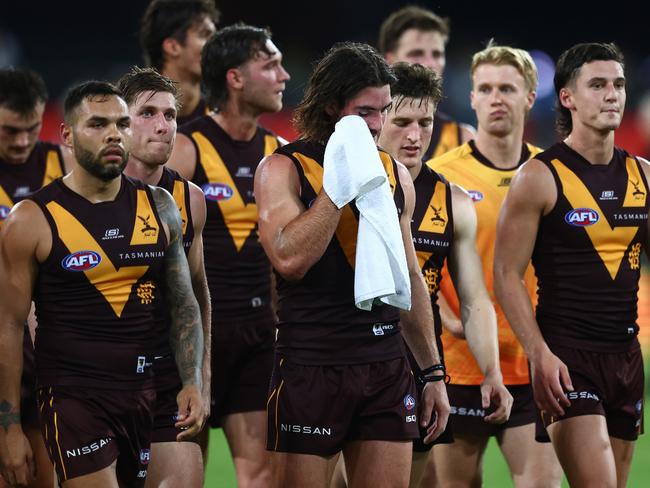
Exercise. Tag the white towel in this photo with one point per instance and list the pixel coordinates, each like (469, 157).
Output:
(353, 170)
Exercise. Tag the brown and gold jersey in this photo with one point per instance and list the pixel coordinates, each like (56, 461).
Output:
(587, 253)
(19, 181)
(318, 320)
(432, 228)
(238, 271)
(200, 110)
(487, 185)
(95, 293)
(445, 137)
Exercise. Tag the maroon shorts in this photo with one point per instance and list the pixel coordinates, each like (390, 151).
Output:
(318, 409)
(608, 384)
(447, 437)
(85, 430)
(167, 383)
(467, 412)
(28, 401)
(242, 360)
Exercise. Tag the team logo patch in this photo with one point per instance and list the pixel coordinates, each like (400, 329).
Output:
(81, 261)
(409, 402)
(476, 195)
(4, 211)
(581, 217)
(145, 456)
(216, 191)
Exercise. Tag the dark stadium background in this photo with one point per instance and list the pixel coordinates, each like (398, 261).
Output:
(71, 41)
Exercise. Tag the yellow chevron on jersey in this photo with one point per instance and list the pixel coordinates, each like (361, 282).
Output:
(435, 218)
(52, 168)
(145, 228)
(240, 218)
(448, 139)
(115, 285)
(179, 198)
(346, 231)
(611, 243)
(270, 144)
(636, 193)
(5, 200)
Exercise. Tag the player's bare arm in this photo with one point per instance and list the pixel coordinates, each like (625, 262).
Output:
(24, 241)
(293, 237)
(183, 158)
(645, 166)
(186, 335)
(477, 311)
(417, 323)
(200, 284)
(531, 195)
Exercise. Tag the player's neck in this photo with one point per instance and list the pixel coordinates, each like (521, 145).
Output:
(146, 173)
(414, 171)
(93, 189)
(504, 152)
(189, 86)
(237, 123)
(596, 147)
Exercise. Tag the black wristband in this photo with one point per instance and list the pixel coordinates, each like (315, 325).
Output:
(426, 376)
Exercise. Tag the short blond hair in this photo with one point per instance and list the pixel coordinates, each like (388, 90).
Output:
(505, 55)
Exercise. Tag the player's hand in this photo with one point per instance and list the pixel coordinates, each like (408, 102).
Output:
(434, 404)
(495, 393)
(191, 412)
(454, 327)
(16, 458)
(550, 381)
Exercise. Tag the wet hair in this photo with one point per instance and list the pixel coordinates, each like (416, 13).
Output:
(416, 82)
(170, 18)
(21, 90)
(345, 70)
(140, 80)
(89, 89)
(568, 69)
(505, 55)
(229, 48)
(410, 17)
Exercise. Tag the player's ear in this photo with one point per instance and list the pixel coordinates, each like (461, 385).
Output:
(66, 135)
(171, 47)
(566, 98)
(234, 78)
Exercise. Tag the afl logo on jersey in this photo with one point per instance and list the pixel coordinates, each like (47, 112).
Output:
(217, 191)
(409, 402)
(4, 211)
(582, 217)
(476, 195)
(81, 261)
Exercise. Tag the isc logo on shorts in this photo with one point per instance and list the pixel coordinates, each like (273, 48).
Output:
(81, 261)
(476, 195)
(216, 191)
(142, 473)
(4, 211)
(581, 217)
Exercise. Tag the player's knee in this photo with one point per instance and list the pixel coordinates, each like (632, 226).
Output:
(254, 476)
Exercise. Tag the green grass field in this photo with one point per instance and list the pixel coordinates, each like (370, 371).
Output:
(221, 474)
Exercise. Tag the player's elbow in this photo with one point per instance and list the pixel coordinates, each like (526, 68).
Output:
(290, 269)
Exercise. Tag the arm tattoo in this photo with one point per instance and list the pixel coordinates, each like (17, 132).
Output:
(186, 334)
(7, 417)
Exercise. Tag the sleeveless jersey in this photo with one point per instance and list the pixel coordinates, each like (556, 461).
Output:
(95, 293)
(238, 271)
(318, 320)
(19, 181)
(432, 228)
(587, 253)
(487, 185)
(445, 137)
(178, 187)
